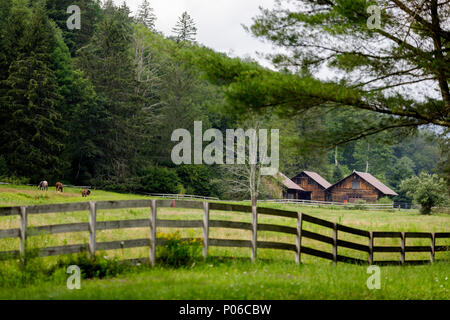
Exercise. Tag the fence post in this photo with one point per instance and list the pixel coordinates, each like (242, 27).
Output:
(205, 228)
(152, 253)
(92, 227)
(254, 229)
(403, 245)
(23, 229)
(370, 248)
(335, 236)
(299, 238)
(433, 245)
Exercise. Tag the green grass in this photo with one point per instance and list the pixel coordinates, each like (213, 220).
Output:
(12, 195)
(244, 280)
(278, 278)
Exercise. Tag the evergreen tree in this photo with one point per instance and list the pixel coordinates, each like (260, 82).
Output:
(109, 65)
(91, 14)
(32, 136)
(146, 16)
(185, 29)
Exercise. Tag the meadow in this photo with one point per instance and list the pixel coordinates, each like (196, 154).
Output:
(274, 276)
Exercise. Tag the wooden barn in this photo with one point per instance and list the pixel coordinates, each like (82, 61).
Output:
(314, 183)
(358, 186)
(292, 190)
(281, 186)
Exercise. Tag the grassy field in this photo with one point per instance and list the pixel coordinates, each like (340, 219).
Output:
(278, 277)
(244, 280)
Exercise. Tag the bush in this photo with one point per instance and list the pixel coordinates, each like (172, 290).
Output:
(15, 180)
(198, 180)
(31, 269)
(26, 270)
(160, 180)
(96, 267)
(177, 252)
(427, 190)
(385, 200)
(360, 205)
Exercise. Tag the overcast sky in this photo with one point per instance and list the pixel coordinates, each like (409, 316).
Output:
(219, 22)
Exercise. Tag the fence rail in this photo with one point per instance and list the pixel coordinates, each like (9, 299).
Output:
(24, 231)
(367, 206)
(179, 196)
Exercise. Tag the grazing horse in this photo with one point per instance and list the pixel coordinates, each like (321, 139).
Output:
(85, 193)
(43, 185)
(59, 187)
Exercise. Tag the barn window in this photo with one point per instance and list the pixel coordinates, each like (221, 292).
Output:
(310, 181)
(356, 185)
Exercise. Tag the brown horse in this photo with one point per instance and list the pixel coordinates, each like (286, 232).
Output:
(85, 193)
(59, 187)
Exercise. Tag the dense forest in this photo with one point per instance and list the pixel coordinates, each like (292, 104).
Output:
(97, 106)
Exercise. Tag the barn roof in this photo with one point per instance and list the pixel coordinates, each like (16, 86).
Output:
(288, 183)
(318, 178)
(376, 183)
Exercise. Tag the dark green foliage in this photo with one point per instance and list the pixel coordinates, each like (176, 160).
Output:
(108, 64)
(199, 179)
(32, 134)
(160, 180)
(98, 266)
(91, 14)
(339, 173)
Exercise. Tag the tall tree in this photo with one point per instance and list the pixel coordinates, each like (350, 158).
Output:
(108, 63)
(32, 135)
(185, 29)
(146, 15)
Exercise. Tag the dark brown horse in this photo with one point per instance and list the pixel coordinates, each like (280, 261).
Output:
(85, 193)
(59, 187)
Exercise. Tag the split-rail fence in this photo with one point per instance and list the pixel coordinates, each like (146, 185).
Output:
(205, 224)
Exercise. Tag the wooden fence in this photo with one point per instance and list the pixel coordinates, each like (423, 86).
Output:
(205, 224)
(317, 203)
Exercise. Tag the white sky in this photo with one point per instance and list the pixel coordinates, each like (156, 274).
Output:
(218, 22)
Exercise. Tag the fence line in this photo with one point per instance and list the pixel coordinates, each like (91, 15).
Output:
(367, 206)
(206, 223)
(179, 196)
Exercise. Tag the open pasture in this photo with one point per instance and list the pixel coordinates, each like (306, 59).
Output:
(275, 271)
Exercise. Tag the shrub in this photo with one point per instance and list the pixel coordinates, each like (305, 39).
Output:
(385, 200)
(427, 190)
(160, 180)
(177, 252)
(198, 180)
(96, 267)
(14, 180)
(360, 205)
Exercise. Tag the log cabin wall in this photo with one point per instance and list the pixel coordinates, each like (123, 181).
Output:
(317, 191)
(352, 189)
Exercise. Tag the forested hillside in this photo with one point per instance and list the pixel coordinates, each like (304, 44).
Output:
(97, 106)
